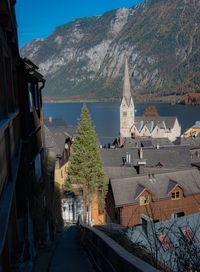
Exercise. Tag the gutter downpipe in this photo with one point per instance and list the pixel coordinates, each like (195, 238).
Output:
(40, 93)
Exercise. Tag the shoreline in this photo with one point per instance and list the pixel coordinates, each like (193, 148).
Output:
(115, 101)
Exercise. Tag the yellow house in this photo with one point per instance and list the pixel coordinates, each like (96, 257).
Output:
(61, 174)
(58, 139)
(98, 217)
(193, 131)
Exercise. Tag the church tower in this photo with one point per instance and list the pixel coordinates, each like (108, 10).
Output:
(127, 109)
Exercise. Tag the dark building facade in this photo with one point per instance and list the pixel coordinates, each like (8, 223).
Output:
(22, 173)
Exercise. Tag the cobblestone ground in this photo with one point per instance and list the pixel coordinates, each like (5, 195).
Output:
(66, 254)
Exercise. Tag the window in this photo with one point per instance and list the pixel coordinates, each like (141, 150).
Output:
(175, 195)
(144, 200)
(100, 211)
(189, 235)
(176, 215)
(30, 98)
(124, 113)
(36, 97)
(180, 214)
(165, 241)
(38, 166)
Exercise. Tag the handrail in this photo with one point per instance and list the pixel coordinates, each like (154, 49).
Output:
(108, 255)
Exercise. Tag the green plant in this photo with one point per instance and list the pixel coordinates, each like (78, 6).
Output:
(85, 170)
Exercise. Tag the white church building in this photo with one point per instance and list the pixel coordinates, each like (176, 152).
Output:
(133, 126)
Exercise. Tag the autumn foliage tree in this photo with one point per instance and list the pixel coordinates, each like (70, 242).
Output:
(151, 111)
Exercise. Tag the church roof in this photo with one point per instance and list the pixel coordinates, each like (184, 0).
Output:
(126, 87)
(163, 122)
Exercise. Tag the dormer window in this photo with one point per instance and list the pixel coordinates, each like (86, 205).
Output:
(159, 164)
(144, 200)
(175, 195)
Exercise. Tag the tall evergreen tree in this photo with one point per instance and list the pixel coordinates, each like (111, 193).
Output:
(86, 166)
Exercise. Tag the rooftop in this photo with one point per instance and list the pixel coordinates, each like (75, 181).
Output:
(158, 184)
(56, 134)
(169, 157)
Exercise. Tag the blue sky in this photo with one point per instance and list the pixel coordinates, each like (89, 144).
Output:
(38, 18)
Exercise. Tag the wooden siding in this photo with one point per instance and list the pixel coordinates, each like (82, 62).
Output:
(160, 210)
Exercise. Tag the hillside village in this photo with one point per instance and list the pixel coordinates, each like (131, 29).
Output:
(153, 172)
(150, 218)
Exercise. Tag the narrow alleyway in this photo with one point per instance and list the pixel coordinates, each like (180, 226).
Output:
(69, 254)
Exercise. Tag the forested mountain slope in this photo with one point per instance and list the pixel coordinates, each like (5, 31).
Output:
(85, 57)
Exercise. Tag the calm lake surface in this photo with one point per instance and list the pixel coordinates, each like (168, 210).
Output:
(105, 116)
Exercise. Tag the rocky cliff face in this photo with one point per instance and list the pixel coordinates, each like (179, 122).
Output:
(86, 56)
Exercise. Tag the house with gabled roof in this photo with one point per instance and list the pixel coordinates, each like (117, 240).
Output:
(154, 197)
(58, 140)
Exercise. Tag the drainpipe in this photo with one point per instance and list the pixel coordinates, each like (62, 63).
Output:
(41, 110)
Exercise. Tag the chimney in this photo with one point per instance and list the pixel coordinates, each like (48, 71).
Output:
(141, 153)
(141, 167)
(140, 164)
(123, 161)
(128, 158)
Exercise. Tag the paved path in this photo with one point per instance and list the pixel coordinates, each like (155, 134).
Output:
(69, 254)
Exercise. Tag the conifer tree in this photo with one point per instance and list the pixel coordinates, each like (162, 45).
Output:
(85, 163)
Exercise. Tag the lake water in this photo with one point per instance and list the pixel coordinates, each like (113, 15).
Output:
(106, 118)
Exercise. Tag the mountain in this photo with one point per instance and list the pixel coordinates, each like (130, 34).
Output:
(85, 57)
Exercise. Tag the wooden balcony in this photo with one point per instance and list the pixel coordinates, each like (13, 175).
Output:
(9, 146)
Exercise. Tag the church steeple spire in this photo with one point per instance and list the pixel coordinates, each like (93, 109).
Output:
(126, 87)
(127, 112)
